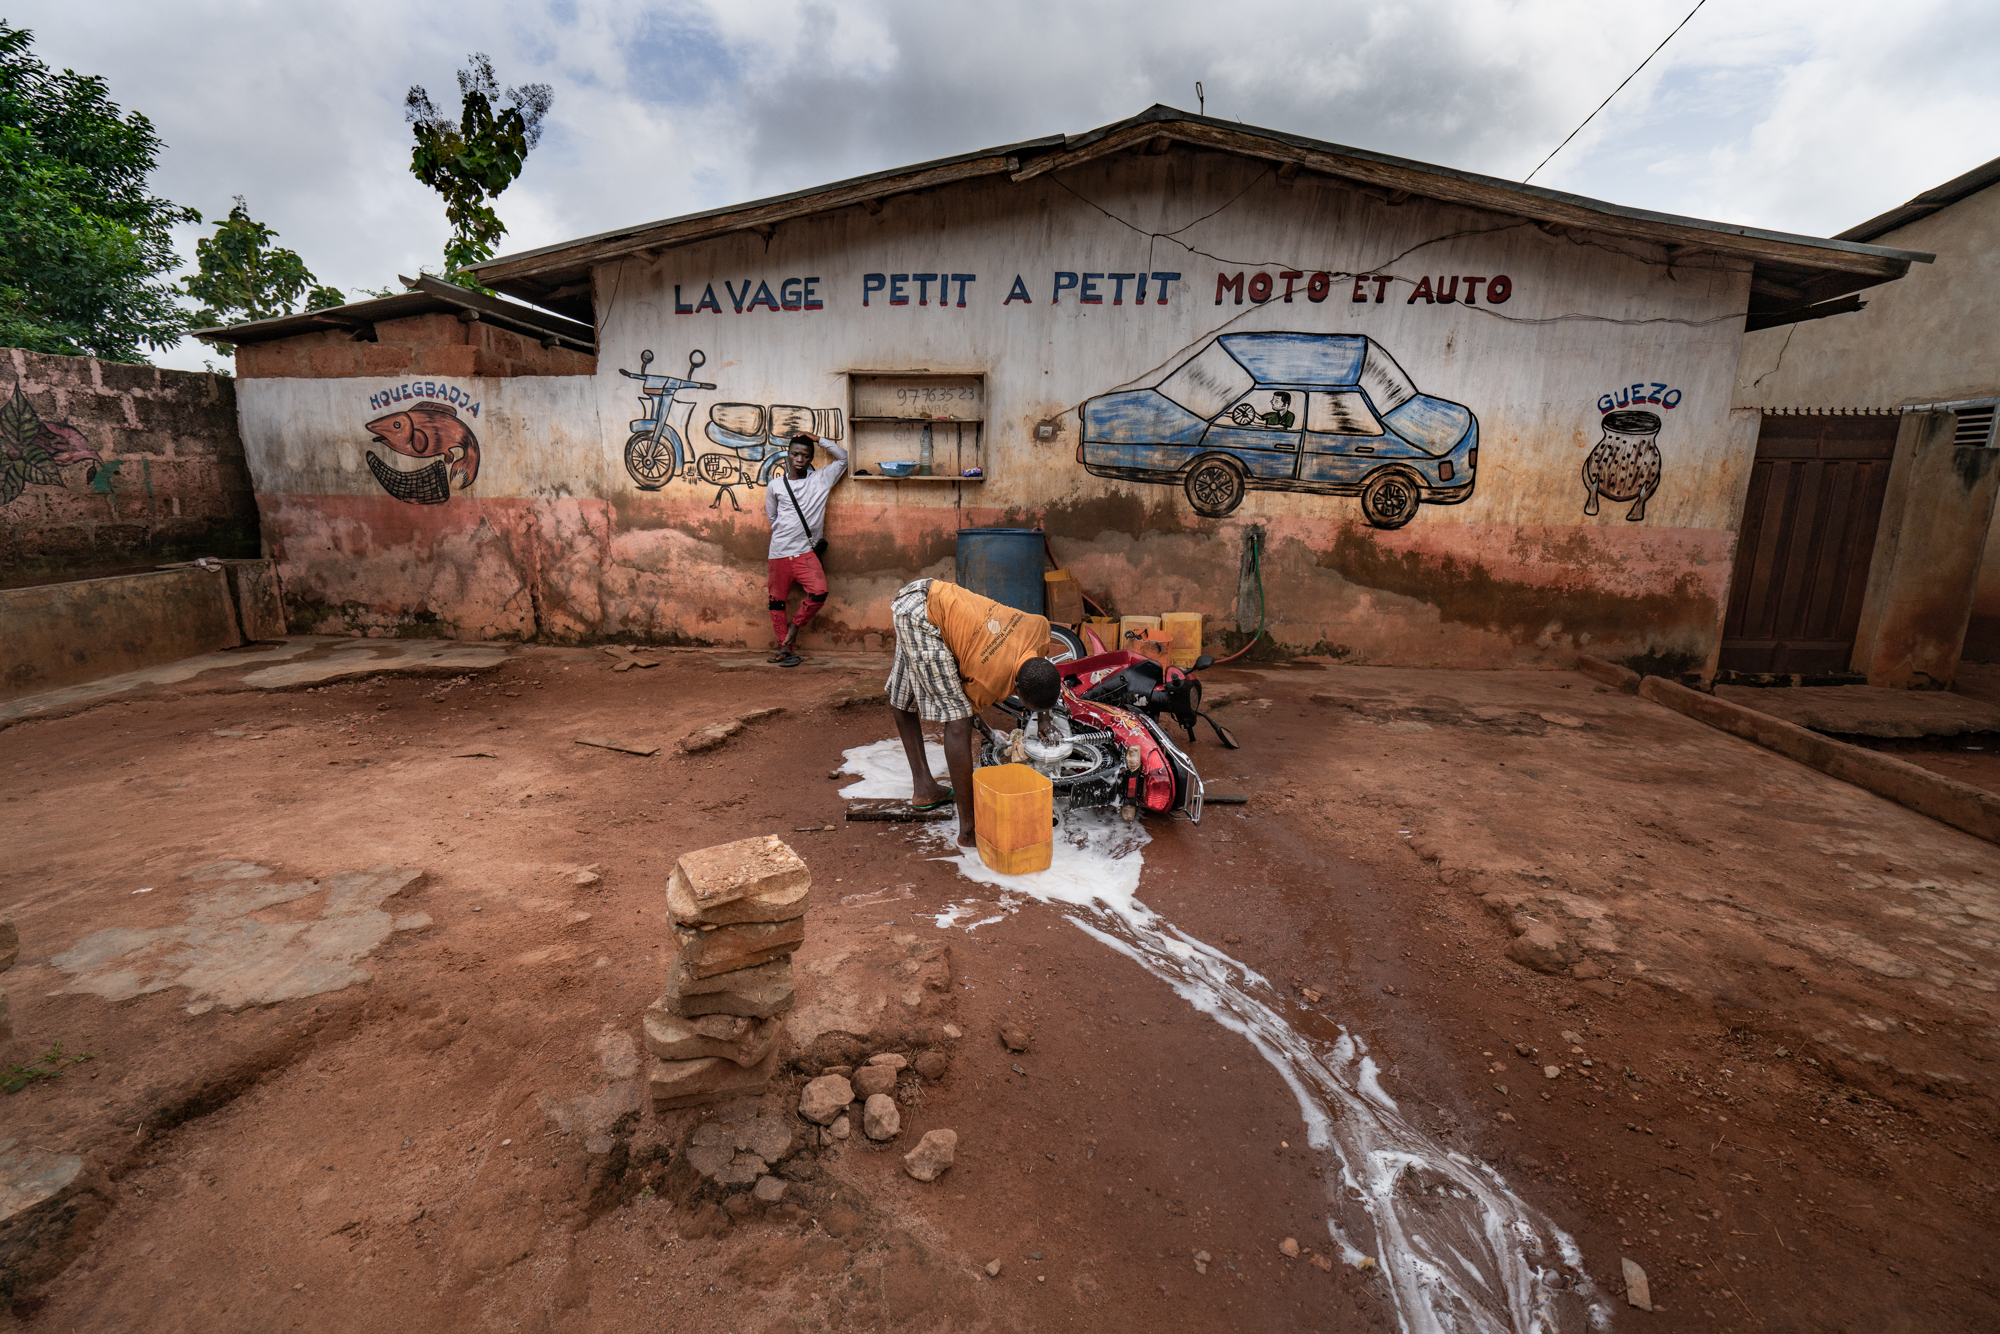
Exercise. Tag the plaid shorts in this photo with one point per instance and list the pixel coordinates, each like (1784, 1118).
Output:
(924, 678)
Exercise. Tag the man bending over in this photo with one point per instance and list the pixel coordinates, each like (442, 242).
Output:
(958, 653)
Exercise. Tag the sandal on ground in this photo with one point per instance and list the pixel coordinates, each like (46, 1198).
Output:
(789, 660)
(946, 800)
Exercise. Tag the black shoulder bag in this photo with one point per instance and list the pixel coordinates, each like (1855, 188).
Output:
(819, 547)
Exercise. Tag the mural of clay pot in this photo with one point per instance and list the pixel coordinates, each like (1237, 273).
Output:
(1625, 464)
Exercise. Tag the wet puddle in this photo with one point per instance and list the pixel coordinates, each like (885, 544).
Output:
(1460, 1252)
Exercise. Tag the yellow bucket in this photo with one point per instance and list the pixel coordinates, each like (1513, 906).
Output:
(1184, 627)
(1106, 630)
(1013, 812)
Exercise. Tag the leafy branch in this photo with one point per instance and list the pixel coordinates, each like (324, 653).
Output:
(243, 277)
(472, 162)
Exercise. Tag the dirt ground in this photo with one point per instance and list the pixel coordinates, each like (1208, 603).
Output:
(1777, 1097)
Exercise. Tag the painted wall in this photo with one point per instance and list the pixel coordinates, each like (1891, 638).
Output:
(1541, 341)
(107, 468)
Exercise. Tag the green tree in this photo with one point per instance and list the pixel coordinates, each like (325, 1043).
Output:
(471, 162)
(83, 246)
(242, 276)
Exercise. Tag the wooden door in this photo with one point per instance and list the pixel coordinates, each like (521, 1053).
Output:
(1808, 534)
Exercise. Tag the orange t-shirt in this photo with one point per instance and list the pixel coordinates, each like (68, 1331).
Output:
(989, 640)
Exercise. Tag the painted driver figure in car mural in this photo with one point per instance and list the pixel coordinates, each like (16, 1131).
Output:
(1226, 422)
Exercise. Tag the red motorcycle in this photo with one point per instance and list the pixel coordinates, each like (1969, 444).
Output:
(1110, 748)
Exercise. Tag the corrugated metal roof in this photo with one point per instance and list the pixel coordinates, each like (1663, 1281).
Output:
(1927, 203)
(1792, 270)
(427, 296)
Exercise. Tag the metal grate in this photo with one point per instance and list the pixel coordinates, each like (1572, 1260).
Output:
(1975, 427)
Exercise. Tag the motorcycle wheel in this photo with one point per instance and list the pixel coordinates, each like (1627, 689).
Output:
(649, 461)
(1072, 642)
(1088, 762)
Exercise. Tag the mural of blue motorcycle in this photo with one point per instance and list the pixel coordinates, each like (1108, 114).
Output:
(1330, 414)
(655, 453)
(751, 438)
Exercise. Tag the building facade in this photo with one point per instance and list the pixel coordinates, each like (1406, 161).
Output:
(1866, 535)
(1457, 421)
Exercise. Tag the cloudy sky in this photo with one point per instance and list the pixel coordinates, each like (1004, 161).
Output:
(1801, 115)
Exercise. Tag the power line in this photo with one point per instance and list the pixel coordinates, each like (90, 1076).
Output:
(1615, 91)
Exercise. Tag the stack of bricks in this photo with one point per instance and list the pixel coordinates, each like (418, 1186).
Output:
(738, 912)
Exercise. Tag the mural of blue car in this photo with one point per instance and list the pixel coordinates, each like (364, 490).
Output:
(1331, 414)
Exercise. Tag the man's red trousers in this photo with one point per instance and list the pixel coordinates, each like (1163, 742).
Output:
(805, 571)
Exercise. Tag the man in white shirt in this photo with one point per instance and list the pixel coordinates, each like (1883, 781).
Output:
(795, 503)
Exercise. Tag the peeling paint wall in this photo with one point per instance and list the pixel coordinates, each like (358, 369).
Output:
(558, 539)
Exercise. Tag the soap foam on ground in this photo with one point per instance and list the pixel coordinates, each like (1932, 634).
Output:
(1462, 1254)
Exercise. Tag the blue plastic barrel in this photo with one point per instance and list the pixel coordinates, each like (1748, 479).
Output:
(1004, 564)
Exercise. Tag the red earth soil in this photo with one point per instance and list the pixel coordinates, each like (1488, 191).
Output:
(1784, 987)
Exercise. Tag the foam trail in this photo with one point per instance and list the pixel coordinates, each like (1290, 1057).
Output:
(1461, 1252)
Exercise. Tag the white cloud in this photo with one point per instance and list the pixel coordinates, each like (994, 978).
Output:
(1803, 115)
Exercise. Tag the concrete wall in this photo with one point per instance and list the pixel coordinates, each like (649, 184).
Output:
(1939, 504)
(63, 634)
(143, 466)
(556, 539)
(1931, 337)
(419, 345)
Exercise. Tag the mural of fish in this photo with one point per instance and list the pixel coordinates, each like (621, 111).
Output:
(425, 431)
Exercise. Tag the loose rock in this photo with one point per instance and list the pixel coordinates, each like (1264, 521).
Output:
(870, 1080)
(842, 1128)
(894, 1060)
(755, 993)
(825, 1098)
(750, 880)
(708, 738)
(687, 1083)
(1289, 1248)
(953, 1031)
(707, 952)
(768, 1190)
(1542, 948)
(672, 1037)
(879, 1118)
(932, 1155)
(1552, 1072)
(1637, 1291)
(931, 1064)
(1014, 1039)
(993, 1269)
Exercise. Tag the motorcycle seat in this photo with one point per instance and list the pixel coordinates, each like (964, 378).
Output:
(753, 447)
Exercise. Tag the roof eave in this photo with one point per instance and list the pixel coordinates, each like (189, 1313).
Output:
(1829, 267)
(427, 296)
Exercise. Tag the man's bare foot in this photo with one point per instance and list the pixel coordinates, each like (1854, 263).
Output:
(968, 839)
(932, 797)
